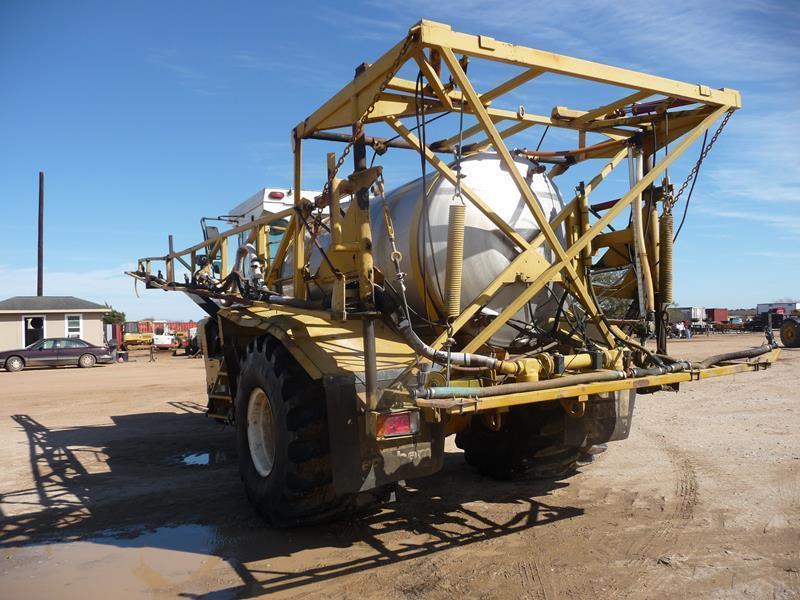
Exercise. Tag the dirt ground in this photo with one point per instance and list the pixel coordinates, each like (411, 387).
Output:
(115, 485)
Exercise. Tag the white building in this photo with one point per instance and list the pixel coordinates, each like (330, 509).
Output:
(27, 319)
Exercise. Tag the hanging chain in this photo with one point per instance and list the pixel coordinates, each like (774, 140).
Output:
(359, 126)
(700, 160)
(379, 189)
(397, 256)
(450, 341)
(457, 188)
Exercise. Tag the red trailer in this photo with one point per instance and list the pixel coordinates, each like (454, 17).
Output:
(716, 315)
(149, 326)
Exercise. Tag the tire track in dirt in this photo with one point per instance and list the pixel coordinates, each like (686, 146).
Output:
(530, 570)
(530, 574)
(645, 549)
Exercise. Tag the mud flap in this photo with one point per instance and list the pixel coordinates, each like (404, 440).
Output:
(361, 463)
(607, 419)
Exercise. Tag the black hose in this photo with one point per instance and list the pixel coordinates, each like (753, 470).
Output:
(293, 302)
(515, 388)
(691, 189)
(463, 359)
(749, 353)
(675, 367)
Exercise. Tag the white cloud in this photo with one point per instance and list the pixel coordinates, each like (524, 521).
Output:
(361, 27)
(753, 185)
(777, 255)
(786, 223)
(193, 79)
(717, 37)
(248, 60)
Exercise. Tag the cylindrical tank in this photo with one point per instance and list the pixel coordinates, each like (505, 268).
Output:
(421, 234)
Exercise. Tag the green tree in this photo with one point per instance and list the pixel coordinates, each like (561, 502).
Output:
(113, 316)
(605, 284)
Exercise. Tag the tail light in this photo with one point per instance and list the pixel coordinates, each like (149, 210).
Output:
(397, 424)
(276, 195)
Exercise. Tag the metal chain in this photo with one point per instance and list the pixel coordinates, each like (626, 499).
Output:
(459, 176)
(359, 126)
(397, 256)
(379, 189)
(700, 160)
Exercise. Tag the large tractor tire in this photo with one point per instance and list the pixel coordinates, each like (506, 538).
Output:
(284, 454)
(790, 332)
(528, 443)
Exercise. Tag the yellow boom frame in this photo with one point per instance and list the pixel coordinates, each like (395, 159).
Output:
(443, 44)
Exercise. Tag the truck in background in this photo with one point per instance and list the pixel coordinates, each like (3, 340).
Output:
(694, 317)
(717, 315)
(164, 335)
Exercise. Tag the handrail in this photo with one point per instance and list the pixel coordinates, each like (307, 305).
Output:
(216, 242)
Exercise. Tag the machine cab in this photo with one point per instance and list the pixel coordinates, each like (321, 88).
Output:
(265, 201)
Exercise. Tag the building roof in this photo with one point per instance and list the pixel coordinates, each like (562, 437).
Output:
(50, 304)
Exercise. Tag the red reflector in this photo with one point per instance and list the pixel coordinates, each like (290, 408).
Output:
(399, 424)
(394, 424)
(276, 195)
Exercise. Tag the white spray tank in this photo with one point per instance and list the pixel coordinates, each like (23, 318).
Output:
(487, 251)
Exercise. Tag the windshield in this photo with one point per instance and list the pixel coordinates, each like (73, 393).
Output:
(34, 345)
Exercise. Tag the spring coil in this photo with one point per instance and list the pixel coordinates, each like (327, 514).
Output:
(455, 260)
(665, 259)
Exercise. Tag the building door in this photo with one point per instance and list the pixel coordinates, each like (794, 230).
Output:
(34, 329)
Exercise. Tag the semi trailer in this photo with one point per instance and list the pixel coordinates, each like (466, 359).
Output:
(351, 330)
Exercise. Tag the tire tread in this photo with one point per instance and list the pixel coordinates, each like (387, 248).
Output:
(305, 494)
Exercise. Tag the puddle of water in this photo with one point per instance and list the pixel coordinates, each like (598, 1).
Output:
(203, 459)
(183, 561)
(168, 561)
(199, 458)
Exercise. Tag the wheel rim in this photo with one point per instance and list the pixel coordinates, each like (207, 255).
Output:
(87, 360)
(261, 432)
(14, 364)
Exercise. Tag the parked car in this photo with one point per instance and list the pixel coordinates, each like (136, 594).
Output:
(56, 351)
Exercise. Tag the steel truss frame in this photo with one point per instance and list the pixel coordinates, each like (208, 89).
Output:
(434, 45)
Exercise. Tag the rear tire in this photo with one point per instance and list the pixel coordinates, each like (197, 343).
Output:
(790, 333)
(282, 430)
(527, 444)
(14, 364)
(87, 361)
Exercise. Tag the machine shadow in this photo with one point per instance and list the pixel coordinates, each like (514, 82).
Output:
(112, 484)
(437, 515)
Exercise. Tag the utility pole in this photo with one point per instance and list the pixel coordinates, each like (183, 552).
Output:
(40, 274)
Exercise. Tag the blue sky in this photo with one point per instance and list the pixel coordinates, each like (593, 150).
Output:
(150, 115)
